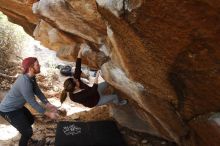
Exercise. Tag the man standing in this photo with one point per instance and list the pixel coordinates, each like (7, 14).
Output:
(23, 91)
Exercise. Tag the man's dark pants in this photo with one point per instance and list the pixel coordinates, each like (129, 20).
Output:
(22, 120)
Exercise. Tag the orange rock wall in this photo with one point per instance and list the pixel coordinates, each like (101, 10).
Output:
(163, 56)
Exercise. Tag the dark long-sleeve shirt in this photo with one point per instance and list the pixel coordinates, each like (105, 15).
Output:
(89, 97)
(23, 90)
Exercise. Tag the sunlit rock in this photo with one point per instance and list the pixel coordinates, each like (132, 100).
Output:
(67, 52)
(119, 7)
(20, 13)
(51, 37)
(76, 17)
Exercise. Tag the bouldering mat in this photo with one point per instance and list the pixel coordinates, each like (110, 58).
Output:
(95, 133)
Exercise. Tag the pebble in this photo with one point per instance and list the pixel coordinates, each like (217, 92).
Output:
(132, 138)
(144, 141)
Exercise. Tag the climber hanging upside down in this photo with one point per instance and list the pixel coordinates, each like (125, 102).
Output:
(82, 93)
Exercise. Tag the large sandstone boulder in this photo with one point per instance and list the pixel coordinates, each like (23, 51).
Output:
(163, 56)
(75, 17)
(20, 12)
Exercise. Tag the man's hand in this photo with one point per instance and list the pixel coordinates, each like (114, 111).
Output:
(52, 115)
(51, 107)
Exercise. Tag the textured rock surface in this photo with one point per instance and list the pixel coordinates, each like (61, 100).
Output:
(161, 55)
(20, 12)
(126, 116)
(207, 127)
(51, 37)
(75, 17)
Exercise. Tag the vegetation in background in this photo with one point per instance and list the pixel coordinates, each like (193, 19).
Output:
(12, 38)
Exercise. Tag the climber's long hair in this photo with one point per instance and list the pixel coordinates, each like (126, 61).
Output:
(69, 86)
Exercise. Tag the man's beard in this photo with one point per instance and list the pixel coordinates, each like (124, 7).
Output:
(36, 71)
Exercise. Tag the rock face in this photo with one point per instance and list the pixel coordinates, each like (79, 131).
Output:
(163, 56)
(75, 17)
(20, 12)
